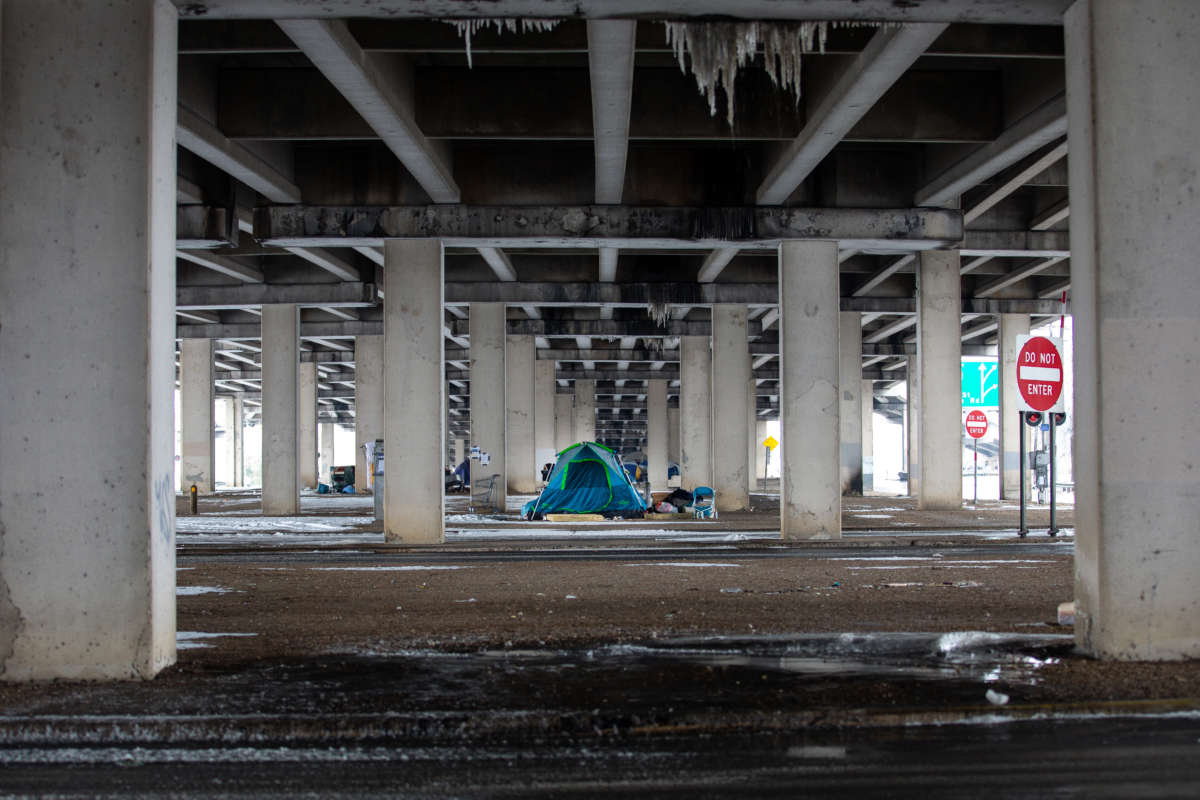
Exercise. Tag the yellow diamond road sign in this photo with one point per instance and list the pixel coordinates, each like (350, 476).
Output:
(770, 443)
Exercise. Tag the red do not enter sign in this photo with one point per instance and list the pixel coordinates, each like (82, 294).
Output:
(976, 424)
(1039, 373)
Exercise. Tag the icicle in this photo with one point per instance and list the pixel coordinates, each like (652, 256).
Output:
(718, 50)
(467, 27)
(659, 312)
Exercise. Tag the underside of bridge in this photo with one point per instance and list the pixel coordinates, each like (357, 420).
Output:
(516, 225)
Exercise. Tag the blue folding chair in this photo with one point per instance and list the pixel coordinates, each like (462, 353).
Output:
(704, 503)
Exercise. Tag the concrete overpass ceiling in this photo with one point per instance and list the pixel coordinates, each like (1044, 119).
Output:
(370, 105)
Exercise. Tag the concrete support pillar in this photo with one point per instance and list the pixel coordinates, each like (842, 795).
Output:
(939, 351)
(760, 450)
(326, 433)
(673, 434)
(239, 440)
(751, 434)
(196, 402)
(488, 416)
(564, 421)
(850, 384)
(87, 232)
(414, 438)
(585, 411)
(518, 393)
(1011, 326)
(280, 410)
(656, 434)
(460, 452)
(868, 434)
(368, 403)
(309, 445)
(543, 414)
(731, 373)
(912, 425)
(809, 301)
(1134, 109)
(695, 412)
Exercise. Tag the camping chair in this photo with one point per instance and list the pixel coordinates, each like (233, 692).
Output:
(704, 503)
(483, 492)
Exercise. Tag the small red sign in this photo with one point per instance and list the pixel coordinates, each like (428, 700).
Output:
(976, 424)
(1039, 373)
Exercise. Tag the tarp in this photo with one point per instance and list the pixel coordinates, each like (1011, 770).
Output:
(588, 478)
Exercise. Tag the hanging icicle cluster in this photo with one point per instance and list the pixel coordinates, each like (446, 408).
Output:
(718, 50)
(467, 27)
(659, 312)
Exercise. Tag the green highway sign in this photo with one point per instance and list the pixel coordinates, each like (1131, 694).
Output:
(980, 384)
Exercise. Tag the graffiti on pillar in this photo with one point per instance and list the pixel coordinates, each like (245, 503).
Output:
(164, 498)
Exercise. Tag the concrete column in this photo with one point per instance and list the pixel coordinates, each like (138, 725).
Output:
(280, 410)
(87, 232)
(731, 373)
(809, 301)
(760, 450)
(239, 440)
(564, 421)
(543, 413)
(912, 425)
(519, 438)
(850, 384)
(585, 411)
(368, 403)
(488, 415)
(414, 439)
(326, 431)
(939, 351)
(751, 433)
(460, 452)
(695, 412)
(1011, 326)
(196, 402)
(656, 434)
(1134, 109)
(673, 434)
(868, 434)
(308, 425)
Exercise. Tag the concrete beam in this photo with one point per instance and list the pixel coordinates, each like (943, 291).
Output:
(1051, 216)
(382, 98)
(891, 51)
(610, 65)
(305, 294)
(201, 137)
(1016, 244)
(655, 227)
(882, 275)
(1026, 270)
(1039, 128)
(1011, 12)
(223, 265)
(1016, 181)
(327, 261)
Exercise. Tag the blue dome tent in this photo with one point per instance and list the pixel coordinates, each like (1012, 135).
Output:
(588, 478)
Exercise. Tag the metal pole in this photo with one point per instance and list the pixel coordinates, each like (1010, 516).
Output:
(976, 453)
(1053, 528)
(377, 474)
(1021, 531)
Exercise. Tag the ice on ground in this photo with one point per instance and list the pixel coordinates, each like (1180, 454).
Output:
(873, 516)
(225, 524)
(404, 568)
(681, 564)
(690, 535)
(190, 640)
(185, 591)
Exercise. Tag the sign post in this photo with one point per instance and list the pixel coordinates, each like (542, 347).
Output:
(770, 443)
(1040, 384)
(977, 426)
